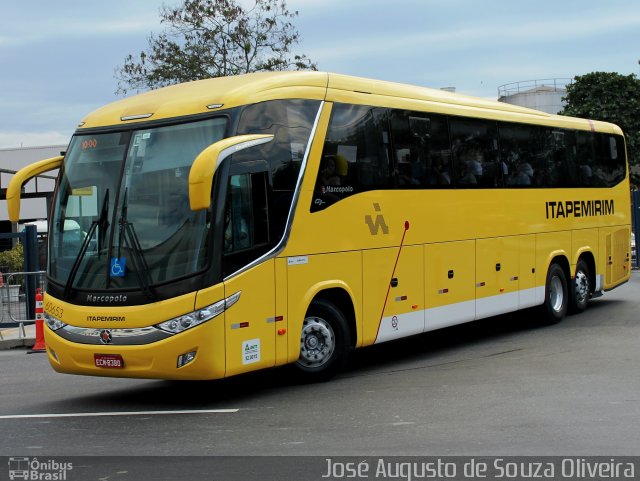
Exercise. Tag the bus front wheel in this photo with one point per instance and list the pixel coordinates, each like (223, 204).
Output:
(324, 342)
(556, 295)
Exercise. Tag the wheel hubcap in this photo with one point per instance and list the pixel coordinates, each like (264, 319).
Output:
(317, 342)
(582, 287)
(556, 294)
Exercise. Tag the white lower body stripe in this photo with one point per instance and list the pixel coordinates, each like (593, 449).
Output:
(403, 325)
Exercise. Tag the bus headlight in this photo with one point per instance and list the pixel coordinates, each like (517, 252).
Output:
(53, 323)
(195, 318)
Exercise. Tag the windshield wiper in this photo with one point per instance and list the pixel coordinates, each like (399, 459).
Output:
(101, 222)
(128, 235)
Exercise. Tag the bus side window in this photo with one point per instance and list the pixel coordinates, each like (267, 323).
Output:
(421, 148)
(609, 167)
(528, 156)
(355, 155)
(474, 145)
(586, 156)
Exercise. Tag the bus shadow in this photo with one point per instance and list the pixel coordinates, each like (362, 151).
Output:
(448, 339)
(238, 390)
(432, 343)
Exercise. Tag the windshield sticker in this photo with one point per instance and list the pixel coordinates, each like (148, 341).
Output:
(88, 191)
(118, 266)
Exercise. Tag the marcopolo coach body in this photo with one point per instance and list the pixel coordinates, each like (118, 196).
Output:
(247, 222)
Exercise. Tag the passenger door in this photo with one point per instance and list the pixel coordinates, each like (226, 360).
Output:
(250, 322)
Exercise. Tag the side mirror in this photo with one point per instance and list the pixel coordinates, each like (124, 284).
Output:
(207, 161)
(15, 185)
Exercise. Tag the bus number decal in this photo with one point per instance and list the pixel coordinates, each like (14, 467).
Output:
(53, 310)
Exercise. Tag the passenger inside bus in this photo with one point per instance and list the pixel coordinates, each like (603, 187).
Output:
(438, 173)
(470, 160)
(333, 168)
(523, 175)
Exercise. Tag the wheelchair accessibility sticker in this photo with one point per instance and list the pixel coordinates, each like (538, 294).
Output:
(118, 266)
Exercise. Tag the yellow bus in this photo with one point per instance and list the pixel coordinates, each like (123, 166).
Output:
(241, 223)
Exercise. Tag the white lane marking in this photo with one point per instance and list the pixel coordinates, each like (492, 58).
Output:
(121, 413)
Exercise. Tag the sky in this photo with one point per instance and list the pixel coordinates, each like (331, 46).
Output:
(57, 59)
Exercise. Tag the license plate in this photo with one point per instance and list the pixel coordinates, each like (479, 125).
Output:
(109, 361)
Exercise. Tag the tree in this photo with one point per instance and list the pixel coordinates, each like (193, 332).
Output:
(611, 97)
(214, 38)
(13, 259)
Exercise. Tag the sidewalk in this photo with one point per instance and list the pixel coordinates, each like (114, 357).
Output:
(11, 337)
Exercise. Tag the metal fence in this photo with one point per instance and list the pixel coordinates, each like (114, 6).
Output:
(14, 301)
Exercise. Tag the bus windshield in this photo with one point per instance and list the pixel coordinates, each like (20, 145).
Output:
(122, 208)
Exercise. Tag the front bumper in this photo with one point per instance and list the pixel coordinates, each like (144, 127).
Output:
(155, 360)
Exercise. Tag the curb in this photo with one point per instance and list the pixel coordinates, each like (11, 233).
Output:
(7, 344)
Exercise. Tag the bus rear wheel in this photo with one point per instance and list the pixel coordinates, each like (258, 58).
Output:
(324, 342)
(556, 297)
(581, 291)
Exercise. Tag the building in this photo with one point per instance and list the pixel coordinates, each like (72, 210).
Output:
(37, 192)
(545, 95)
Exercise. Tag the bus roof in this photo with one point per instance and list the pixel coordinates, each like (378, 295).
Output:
(203, 96)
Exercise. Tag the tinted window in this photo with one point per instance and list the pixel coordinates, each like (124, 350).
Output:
(371, 148)
(290, 121)
(474, 146)
(536, 156)
(521, 147)
(355, 157)
(586, 152)
(601, 159)
(610, 167)
(556, 164)
(421, 150)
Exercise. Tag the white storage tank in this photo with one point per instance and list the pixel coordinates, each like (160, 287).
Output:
(545, 95)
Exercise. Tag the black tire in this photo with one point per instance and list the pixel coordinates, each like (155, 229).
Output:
(580, 288)
(556, 295)
(325, 342)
